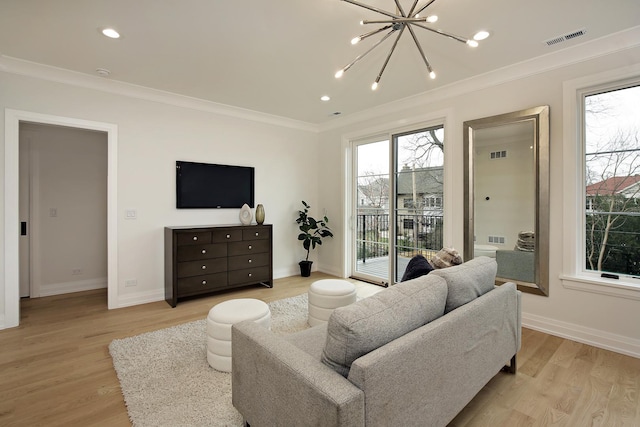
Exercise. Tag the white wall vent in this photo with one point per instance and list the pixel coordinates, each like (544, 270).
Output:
(497, 239)
(565, 37)
(498, 154)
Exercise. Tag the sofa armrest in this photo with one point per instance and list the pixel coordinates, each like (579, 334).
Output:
(276, 383)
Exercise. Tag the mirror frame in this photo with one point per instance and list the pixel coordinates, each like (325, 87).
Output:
(540, 117)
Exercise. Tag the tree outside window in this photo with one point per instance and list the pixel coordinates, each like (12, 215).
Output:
(612, 181)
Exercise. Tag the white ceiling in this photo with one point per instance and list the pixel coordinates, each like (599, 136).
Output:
(280, 56)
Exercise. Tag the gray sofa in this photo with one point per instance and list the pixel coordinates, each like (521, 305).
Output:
(413, 354)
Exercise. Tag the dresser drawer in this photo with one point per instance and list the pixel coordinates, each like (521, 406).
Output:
(193, 238)
(249, 275)
(226, 235)
(257, 233)
(198, 268)
(247, 261)
(252, 246)
(195, 252)
(201, 284)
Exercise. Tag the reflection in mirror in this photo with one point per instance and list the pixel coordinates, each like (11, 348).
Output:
(506, 195)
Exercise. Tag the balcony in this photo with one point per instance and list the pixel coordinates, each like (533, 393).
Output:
(416, 234)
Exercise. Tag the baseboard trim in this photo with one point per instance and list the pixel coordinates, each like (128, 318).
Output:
(584, 335)
(140, 298)
(75, 286)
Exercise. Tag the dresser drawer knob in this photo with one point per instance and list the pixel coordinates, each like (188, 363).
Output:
(204, 251)
(257, 234)
(250, 247)
(204, 282)
(204, 267)
(250, 261)
(228, 236)
(249, 274)
(195, 237)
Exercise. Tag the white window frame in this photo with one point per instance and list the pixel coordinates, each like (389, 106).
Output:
(574, 276)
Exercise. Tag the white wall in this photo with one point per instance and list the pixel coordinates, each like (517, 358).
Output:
(151, 137)
(604, 320)
(69, 176)
(509, 183)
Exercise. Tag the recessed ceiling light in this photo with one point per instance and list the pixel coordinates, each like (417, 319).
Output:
(481, 35)
(111, 33)
(324, 98)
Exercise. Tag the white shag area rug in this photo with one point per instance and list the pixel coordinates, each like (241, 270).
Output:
(165, 377)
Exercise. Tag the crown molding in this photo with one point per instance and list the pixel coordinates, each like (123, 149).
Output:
(73, 78)
(607, 45)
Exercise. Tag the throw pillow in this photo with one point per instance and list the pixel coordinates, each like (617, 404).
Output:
(418, 266)
(446, 257)
(467, 281)
(361, 327)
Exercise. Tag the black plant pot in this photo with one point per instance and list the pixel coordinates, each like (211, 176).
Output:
(305, 268)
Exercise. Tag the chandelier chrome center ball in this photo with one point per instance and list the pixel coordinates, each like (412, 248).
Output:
(397, 23)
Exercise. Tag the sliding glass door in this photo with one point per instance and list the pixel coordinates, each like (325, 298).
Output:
(371, 211)
(398, 203)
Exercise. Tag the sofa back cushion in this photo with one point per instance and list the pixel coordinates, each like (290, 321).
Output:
(466, 282)
(361, 327)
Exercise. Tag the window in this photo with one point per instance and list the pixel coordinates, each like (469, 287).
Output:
(611, 181)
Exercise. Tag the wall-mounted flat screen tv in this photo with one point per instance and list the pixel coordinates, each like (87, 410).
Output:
(211, 186)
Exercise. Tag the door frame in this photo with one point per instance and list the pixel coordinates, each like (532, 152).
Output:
(442, 117)
(11, 207)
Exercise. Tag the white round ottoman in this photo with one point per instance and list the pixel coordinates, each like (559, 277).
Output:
(326, 295)
(219, 321)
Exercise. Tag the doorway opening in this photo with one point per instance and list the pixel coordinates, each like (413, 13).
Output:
(11, 281)
(63, 209)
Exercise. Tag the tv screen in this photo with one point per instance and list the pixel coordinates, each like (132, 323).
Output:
(204, 185)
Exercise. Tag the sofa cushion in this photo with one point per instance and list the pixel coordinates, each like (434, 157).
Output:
(467, 281)
(359, 328)
(418, 266)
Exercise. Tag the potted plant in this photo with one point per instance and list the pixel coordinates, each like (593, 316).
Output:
(311, 234)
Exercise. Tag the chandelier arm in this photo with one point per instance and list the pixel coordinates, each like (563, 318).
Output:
(399, 6)
(424, 57)
(374, 32)
(375, 9)
(393, 48)
(359, 57)
(423, 7)
(396, 20)
(443, 33)
(415, 3)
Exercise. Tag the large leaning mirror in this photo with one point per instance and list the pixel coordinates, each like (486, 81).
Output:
(507, 195)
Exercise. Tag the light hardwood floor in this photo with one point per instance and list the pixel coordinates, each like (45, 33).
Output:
(55, 368)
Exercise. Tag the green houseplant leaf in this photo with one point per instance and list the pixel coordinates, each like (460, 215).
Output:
(312, 231)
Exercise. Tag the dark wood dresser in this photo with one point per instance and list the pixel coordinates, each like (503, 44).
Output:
(202, 260)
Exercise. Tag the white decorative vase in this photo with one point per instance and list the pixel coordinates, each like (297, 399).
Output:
(245, 214)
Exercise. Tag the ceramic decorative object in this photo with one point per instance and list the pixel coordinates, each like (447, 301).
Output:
(259, 214)
(245, 214)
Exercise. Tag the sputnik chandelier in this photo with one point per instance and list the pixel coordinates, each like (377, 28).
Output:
(399, 22)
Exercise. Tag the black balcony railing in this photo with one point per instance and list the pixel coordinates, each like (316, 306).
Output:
(415, 234)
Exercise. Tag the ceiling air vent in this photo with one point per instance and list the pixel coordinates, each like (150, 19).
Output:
(565, 37)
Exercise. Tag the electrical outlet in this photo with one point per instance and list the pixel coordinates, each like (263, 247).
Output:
(76, 271)
(130, 283)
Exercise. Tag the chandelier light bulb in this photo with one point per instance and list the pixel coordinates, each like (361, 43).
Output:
(481, 35)
(432, 18)
(472, 43)
(111, 33)
(356, 40)
(374, 86)
(432, 75)
(339, 74)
